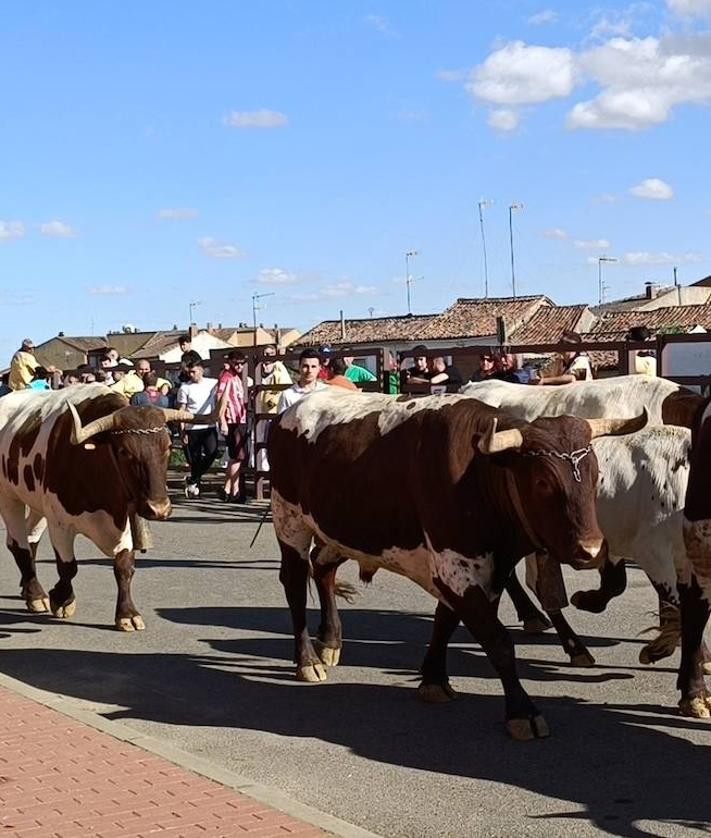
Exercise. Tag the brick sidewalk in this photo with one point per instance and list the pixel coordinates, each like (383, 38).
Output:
(63, 779)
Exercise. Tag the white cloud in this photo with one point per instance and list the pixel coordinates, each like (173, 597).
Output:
(690, 8)
(592, 244)
(637, 82)
(543, 18)
(381, 24)
(346, 289)
(11, 230)
(503, 119)
(256, 119)
(518, 74)
(108, 290)
(653, 189)
(12, 298)
(555, 233)
(606, 198)
(642, 258)
(220, 250)
(412, 116)
(178, 213)
(452, 75)
(276, 276)
(642, 80)
(58, 230)
(310, 297)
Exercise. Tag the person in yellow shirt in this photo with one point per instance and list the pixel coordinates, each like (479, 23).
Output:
(126, 380)
(23, 365)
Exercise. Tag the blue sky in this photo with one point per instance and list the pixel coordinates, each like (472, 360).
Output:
(156, 154)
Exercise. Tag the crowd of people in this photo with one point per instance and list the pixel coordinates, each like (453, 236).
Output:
(192, 389)
(228, 395)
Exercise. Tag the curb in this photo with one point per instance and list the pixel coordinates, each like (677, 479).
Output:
(197, 765)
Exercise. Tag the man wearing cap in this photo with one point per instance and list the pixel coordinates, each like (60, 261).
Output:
(126, 380)
(23, 365)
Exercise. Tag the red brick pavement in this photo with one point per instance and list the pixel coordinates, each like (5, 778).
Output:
(62, 779)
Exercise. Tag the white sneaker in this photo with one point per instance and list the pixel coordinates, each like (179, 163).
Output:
(192, 490)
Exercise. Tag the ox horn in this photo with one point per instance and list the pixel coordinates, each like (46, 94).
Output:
(495, 441)
(617, 427)
(81, 434)
(180, 415)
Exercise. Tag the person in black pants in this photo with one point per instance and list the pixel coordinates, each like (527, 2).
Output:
(198, 396)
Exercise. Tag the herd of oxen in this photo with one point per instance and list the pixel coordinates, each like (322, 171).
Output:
(449, 491)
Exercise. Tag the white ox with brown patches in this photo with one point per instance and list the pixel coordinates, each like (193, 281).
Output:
(80, 461)
(434, 489)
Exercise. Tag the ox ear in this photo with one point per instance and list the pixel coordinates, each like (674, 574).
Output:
(617, 427)
(493, 441)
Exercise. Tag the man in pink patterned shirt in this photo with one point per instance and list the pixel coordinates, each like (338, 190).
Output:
(232, 422)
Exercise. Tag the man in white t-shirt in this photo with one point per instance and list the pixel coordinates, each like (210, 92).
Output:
(198, 396)
(309, 369)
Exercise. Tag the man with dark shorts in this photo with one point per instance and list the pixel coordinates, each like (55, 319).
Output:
(232, 420)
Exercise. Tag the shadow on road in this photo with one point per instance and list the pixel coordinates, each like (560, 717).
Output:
(620, 765)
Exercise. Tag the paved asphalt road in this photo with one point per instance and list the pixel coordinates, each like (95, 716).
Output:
(212, 674)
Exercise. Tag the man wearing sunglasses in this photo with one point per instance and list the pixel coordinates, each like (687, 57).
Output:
(232, 394)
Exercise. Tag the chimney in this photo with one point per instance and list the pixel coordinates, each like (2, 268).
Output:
(208, 326)
(193, 330)
(651, 289)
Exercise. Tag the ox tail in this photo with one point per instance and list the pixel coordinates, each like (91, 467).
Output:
(668, 637)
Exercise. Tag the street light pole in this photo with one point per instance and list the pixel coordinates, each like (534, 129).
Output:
(485, 202)
(512, 207)
(408, 278)
(256, 307)
(191, 306)
(600, 260)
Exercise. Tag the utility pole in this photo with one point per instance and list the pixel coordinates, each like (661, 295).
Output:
(256, 307)
(485, 202)
(678, 288)
(191, 306)
(600, 285)
(408, 279)
(514, 206)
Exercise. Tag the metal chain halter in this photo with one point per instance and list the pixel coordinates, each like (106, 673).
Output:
(574, 458)
(140, 430)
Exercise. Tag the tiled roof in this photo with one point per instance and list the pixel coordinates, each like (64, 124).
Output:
(159, 343)
(476, 317)
(615, 325)
(84, 344)
(548, 325)
(371, 330)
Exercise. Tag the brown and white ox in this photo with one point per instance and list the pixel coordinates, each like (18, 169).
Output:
(441, 490)
(670, 404)
(80, 461)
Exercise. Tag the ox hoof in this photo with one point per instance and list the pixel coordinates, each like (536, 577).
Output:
(134, 623)
(436, 693)
(696, 708)
(64, 612)
(329, 656)
(589, 601)
(536, 625)
(312, 673)
(583, 658)
(37, 606)
(522, 730)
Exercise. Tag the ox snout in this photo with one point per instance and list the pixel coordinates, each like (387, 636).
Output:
(589, 554)
(158, 510)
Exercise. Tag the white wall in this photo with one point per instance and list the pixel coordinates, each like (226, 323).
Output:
(203, 342)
